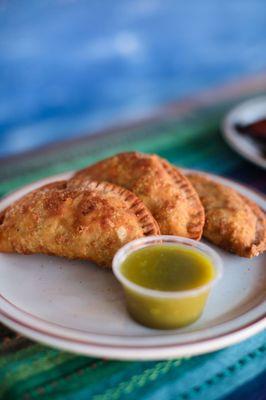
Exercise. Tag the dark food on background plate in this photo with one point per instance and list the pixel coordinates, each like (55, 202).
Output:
(233, 222)
(166, 192)
(90, 224)
(255, 131)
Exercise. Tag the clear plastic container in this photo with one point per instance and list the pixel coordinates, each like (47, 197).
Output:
(165, 309)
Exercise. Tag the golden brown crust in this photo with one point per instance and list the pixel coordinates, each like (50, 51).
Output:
(164, 190)
(148, 224)
(91, 223)
(197, 214)
(233, 222)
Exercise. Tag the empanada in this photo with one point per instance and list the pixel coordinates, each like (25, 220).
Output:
(233, 222)
(92, 223)
(167, 193)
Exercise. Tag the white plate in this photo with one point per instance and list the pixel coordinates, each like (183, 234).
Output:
(245, 113)
(79, 307)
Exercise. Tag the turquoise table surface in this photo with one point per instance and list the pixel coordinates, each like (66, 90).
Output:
(187, 134)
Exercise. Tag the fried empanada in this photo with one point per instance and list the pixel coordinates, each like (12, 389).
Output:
(91, 223)
(167, 193)
(233, 222)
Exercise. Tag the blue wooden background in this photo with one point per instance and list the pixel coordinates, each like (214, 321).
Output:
(68, 67)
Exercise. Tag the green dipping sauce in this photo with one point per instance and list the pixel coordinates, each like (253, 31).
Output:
(167, 268)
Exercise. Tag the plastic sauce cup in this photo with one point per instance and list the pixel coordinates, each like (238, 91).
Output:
(166, 309)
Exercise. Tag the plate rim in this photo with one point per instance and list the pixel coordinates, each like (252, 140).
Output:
(128, 352)
(91, 336)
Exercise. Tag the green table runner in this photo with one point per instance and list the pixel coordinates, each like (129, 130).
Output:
(29, 370)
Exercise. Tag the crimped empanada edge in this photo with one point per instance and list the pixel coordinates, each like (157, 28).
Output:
(195, 227)
(256, 248)
(147, 222)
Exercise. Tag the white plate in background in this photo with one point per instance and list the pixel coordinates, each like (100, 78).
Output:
(245, 113)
